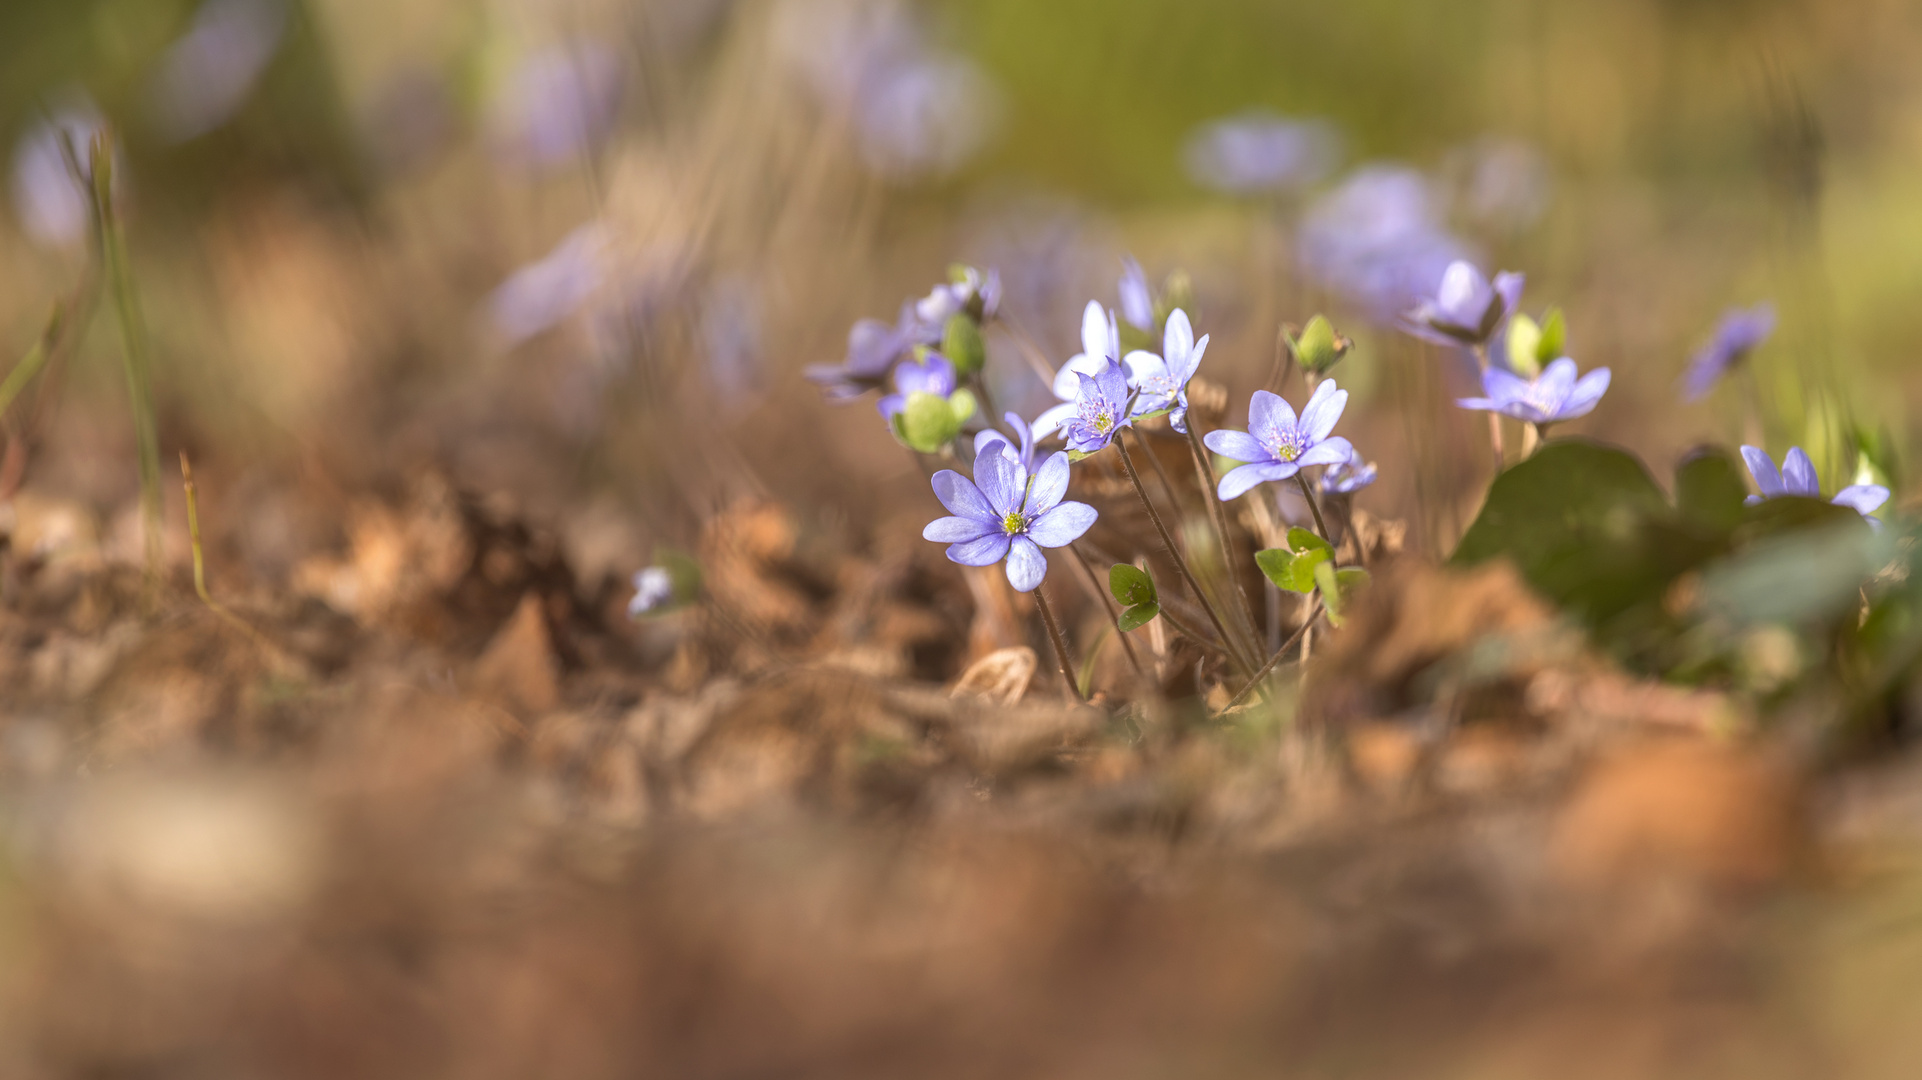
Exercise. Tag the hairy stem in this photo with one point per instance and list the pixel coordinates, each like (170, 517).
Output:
(1218, 521)
(1494, 418)
(1181, 565)
(1256, 679)
(1060, 643)
(1314, 507)
(1107, 601)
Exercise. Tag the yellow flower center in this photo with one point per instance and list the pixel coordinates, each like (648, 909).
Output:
(1012, 523)
(1103, 423)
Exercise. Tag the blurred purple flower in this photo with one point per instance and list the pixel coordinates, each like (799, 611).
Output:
(1101, 410)
(1137, 302)
(1378, 240)
(916, 110)
(206, 75)
(1100, 343)
(1008, 516)
(1506, 183)
(1466, 309)
(1276, 445)
(653, 590)
(931, 374)
(540, 295)
(1550, 398)
(1022, 455)
(1347, 476)
(974, 291)
(559, 104)
(873, 349)
(1163, 380)
(731, 335)
(53, 205)
(1740, 332)
(1259, 152)
(1797, 478)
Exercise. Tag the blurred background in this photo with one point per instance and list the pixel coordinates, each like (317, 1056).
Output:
(578, 251)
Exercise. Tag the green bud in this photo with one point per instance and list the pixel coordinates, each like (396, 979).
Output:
(1319, 348)
(1554, 340)
(1524, 345)
(961, 343)
(929, 421)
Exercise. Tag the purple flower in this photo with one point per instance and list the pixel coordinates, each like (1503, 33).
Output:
(931, 374)
(873, 348)
(540, 295)
(1347, 476)
(1259, 151)
(971, 291)
(1023, 455)
(51, 203)
(1378, 239)
(1276, 445)
(206, 76)
(1100, 344)
(1798, 478)
(653, 590)
(1008, 516)
(1162, 381)
(1137, 302)
(1740, 332)
(1549, 398)
(1466, 308)
(1101, 410)
(559, 103)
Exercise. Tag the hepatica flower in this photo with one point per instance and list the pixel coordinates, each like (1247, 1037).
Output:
(1549, 398)
(1797, 477)
(1021, 454)
(1466, 308)
(51, 203)
(873, 349)
(1740, 332)
(1102, 409)
(1162, 381)
(1100, 344)
(1137, 300)
(1277, 445)
(1347, 476)
(931, 374)
(1260, 152)
(1004, 513)
(1379, 239)
(208, 74)
(653, 590)
(969, 290)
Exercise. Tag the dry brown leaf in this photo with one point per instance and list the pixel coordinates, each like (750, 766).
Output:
(1001, 676)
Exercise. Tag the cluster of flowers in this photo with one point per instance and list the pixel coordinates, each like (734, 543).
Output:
(1013, 506)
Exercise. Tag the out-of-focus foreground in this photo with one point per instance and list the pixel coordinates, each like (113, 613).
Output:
(464, 311)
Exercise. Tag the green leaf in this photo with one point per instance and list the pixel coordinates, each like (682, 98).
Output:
(1524, 343)
(1300, 539)
(1331, 598)
(1290, 570)
(1137, 615)
(1709, 491)
(961, 343)
(1131, 585)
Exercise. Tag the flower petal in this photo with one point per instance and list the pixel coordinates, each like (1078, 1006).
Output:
(1269, 416)
(961, 496)
(1062, 525)
(1864, 499)
(1022, 433)
(1026, 565)
(1183, 372)
(1143, 365)
(1240, 480)
(1798, 474)
(1508, 286)
(1762, 467)
(1094, 331)
(957, 530)
(1327, 452)
(985, 551)
(1236, 445)
(1556, 380)
(986, 436)
(1502, 385)
(1067, 381)
(1323, 409)
(1049, 485)
(1002, 481)
(1050, 421)
(1178, 340)
(1586, 395)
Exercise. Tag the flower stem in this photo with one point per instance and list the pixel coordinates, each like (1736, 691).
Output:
(1531, 439)
(1107, 601)
(1060, 644)
(1181, 565)
(1258, 676)
(1218, 521)
(1494, 418)
(1314, 507)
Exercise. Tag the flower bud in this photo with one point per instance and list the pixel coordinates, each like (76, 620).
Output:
(961, 343)
(1319, 348)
